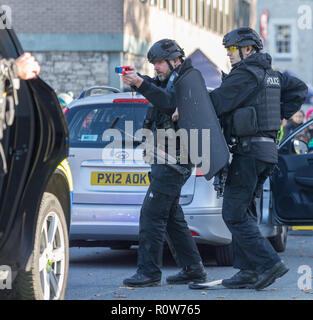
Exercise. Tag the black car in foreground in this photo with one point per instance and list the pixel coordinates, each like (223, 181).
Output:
(292, 181)
(35, 193)
(287, 198)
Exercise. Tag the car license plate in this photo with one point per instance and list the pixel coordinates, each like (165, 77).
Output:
(119, 179)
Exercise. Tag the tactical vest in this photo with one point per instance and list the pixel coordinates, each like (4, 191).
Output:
(156, 119)
(266, 100)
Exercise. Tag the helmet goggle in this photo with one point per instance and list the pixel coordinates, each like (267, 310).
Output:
(232, 49)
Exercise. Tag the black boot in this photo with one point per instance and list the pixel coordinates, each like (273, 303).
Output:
(242, 279)
(270, 275)
(140, 280)
(194, 273)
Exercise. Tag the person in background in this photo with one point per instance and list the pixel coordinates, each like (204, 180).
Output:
(280, 134)
(309, 130)
(292, 124)
(65, 98)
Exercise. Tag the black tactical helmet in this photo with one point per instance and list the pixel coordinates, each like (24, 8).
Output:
(164, 49)
(242, 37)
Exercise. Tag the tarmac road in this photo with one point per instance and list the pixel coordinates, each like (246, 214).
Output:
(97, 274)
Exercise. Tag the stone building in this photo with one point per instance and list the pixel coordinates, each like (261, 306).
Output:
(288, 30)
(79, 42)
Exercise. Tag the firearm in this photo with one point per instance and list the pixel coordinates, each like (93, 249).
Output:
(122, 70)
(219, 182)
(160, 155)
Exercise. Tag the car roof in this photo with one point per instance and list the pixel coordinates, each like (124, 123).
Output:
(103, 98)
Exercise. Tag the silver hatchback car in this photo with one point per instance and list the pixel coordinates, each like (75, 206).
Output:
(109, 186)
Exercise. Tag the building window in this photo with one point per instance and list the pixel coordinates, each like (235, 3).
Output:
(171, 6)
(221, 16)
(215, 15)
(282, 37)
(194, 11)
(153, 2)
(220, 5)
(187, 9)
(209, 12)
(162, 4)
(201, 13)
(226, 6)
(179, 8)
(244, 13)
(227, 18)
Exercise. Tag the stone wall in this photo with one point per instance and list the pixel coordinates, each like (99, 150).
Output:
(73, 71)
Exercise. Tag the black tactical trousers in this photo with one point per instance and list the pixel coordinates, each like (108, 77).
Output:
(162, 217)
(251, 250)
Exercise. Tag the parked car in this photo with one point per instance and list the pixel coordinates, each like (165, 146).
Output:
(35, 194)
(106, 209)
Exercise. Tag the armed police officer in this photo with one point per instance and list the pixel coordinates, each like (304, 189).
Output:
(161, 215)
(251, 101)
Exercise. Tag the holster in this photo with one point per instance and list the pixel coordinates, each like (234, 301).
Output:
(219, 182)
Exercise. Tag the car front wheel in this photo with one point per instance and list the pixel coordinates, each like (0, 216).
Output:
(47, 278)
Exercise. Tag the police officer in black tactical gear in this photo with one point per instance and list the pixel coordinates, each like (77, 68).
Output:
(251, 101)
(161, 215)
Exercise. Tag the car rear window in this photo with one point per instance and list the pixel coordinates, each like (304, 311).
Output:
(88, 123)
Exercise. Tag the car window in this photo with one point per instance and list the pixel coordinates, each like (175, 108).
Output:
(88, 123)
(305, 135)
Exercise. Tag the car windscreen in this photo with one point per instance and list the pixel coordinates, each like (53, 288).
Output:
(88, 124)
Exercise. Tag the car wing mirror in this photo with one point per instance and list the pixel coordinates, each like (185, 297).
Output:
(300, 147)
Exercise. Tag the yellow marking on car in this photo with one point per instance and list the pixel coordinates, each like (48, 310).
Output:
(65, 168)
(302, 228)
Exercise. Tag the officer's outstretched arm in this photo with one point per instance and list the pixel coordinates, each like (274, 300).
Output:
(159, 97)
